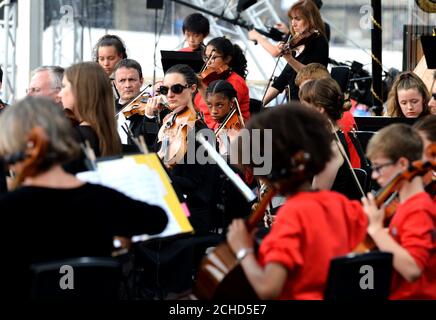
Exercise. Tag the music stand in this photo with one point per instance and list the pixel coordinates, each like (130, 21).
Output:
(192, 59)
(429, 48)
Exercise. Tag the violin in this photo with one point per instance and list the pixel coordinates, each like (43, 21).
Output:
(137, 105)
(229, 128)
(299, 40)
(173, 136)
(211, 74)
(416, 168)
(33, 157)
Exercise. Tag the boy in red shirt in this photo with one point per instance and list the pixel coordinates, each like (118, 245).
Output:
(411, 234)
(312, 227)
(195, 29)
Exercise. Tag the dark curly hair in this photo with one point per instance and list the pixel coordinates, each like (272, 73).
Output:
(238, 62)
(292, 137)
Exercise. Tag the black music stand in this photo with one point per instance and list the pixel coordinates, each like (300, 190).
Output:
(429, 47)
(192, 59)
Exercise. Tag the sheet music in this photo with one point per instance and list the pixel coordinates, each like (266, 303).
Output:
(136, 181)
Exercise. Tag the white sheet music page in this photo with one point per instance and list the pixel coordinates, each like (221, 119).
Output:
(136, 181)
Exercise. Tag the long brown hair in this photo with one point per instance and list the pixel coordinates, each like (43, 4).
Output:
(404, 81)
(309, 12)
(94, 103)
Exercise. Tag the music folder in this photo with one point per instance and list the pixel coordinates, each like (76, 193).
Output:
(192, 59)
(429, 47)
(143, 178)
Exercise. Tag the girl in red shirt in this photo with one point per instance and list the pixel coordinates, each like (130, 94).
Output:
(312, 227)
(229, 63)
(411, 231)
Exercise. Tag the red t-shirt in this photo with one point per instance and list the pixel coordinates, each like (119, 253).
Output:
(310, 229)
(187, 49)
(414, 228)
(242, 91)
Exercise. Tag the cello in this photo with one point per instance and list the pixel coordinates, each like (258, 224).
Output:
(220, 275)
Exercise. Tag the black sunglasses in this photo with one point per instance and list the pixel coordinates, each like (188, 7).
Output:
(176, 88)
(433, 95)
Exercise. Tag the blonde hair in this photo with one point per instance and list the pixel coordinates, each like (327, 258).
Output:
(311, 71)
(94, 103)
(310, 13)
(17, 121)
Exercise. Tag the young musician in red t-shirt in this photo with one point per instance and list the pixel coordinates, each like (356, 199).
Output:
(312, 227)
(411, 235)
(195, 30)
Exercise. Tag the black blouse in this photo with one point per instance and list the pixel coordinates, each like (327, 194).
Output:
(316, 50)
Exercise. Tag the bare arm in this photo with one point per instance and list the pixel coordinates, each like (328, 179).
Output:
(271, 93)
(267, 282)
(264, 42)
(403, 261)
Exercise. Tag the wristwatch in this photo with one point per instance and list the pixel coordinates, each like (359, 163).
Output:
(242, 253)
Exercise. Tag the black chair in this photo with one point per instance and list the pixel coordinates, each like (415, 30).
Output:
(93, 278)
(255, 106)
(360, 277)
(363, 178)
(342, 75)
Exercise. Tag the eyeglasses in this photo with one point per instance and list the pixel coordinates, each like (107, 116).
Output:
(378, 168)
(434, 96)
(38, 90)
(176, 88)
(210, 58)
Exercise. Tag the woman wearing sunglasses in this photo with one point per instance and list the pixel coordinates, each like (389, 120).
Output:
(230, 64)
(196, 182)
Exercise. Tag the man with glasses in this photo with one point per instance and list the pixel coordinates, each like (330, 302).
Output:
(46, 82)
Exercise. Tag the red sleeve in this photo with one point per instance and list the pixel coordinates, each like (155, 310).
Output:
(416, 236)
(283, 244)
(357, 223)
(243, 94)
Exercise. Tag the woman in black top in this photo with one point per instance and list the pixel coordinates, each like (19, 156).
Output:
(304, 16)
(52, 214)
(87, 96)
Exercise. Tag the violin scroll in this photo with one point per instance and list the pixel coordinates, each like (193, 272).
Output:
(299, 39)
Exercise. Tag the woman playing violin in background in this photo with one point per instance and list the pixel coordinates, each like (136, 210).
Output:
(194, 181)
(304, 17)
(411, 231)
(221, 99)
(87, 97)
(53, 214)
(224, 61)
(312, 226)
